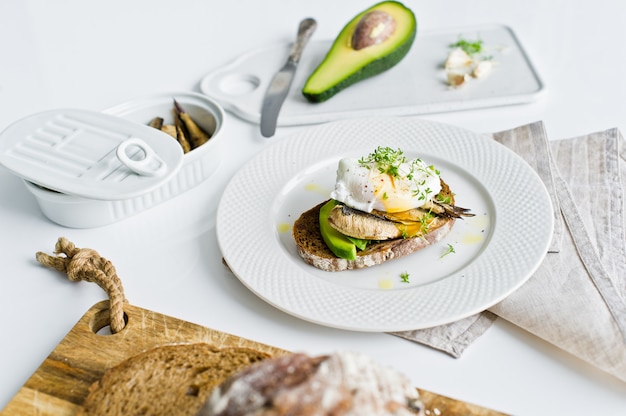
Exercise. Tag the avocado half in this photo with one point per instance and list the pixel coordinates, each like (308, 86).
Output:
(389, 25)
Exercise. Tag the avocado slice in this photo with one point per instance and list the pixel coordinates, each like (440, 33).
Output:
(372, 42)
(339, 244)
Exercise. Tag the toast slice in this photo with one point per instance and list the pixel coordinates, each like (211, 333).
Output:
(314, 251)
(166, 380)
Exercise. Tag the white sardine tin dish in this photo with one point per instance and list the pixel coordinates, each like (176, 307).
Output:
(72, 195)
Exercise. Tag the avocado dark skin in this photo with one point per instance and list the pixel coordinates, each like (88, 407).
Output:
(372, 42)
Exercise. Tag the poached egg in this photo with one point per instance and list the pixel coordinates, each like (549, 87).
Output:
(366, 184)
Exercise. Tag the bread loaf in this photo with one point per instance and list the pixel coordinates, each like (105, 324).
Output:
(340, 384)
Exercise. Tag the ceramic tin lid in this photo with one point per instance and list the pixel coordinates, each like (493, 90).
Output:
(89, 154)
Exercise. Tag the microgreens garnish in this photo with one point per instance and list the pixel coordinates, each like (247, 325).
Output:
(448, 251)
(471, 48)
(405, 277)
(444, 199)
(385, 159)
(388, 161)
(425, 221)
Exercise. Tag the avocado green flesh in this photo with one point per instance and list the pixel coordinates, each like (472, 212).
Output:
(360, 243)
(344, 66)
(339, 244)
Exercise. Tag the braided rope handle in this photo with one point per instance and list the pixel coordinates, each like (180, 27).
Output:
(86, 264)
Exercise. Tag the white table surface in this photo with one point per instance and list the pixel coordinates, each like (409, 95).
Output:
(93, 55)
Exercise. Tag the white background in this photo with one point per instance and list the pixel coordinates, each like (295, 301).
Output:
(93, 55)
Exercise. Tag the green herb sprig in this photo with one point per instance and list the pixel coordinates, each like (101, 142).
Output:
(469, 47)
(448, 251)
(472, 48)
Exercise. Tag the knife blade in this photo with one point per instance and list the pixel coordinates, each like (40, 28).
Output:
(281, 82)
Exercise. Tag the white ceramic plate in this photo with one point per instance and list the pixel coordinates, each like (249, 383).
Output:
(495, 252)
(417, 85)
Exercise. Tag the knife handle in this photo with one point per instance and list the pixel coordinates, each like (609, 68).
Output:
(305, 30)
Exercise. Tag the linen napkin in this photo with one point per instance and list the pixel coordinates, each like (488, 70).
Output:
(576, 300)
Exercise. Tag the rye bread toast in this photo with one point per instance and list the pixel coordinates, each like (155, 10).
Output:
(314, 251)
(167, 380)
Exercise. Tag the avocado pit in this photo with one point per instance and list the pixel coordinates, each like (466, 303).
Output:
(374, 27)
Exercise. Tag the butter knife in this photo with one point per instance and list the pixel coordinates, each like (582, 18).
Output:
(279, 87)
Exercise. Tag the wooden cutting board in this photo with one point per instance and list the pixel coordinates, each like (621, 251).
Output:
(61, 383)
